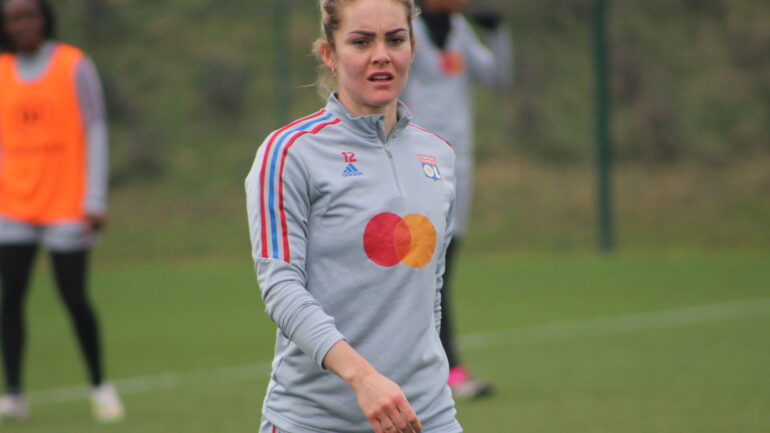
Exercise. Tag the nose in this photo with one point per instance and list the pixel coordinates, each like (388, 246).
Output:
(380, 56)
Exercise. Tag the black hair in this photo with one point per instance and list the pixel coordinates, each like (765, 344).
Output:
(49, 26)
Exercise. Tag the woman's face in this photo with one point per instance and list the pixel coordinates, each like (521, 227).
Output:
(371, 55)
(24, 24)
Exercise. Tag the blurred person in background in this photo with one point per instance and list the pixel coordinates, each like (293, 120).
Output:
(350, 213)
(449, 60)
(53, 186)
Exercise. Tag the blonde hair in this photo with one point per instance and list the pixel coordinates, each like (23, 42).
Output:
(330, 22)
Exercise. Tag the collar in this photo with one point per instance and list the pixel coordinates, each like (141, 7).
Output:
(371, 126)
(44, 51)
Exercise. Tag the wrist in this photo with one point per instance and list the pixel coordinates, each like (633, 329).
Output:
(357, 376)
(348, 364)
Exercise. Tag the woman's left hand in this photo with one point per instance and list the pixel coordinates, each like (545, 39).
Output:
(381, 400)
(385, 405)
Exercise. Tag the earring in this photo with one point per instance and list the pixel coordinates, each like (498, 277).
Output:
(334, 72)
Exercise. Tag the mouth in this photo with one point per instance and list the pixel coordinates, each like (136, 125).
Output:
(25, 36)
(380, 77)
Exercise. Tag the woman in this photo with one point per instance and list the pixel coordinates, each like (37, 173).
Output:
(53, 183)
(350, 214)
(449, 61)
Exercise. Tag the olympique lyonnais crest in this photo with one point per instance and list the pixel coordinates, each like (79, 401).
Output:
(429, 167)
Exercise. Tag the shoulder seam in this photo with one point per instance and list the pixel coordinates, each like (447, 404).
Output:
(431, 132)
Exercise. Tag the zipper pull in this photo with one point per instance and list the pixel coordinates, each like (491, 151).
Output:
(387, 150)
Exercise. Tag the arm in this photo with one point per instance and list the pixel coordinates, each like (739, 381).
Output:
(282, 277)
(91, 100)
(491, 64)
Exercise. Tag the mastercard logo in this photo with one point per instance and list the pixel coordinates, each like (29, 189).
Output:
(390, 239)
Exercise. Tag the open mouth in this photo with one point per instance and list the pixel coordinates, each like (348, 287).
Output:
(381, 77)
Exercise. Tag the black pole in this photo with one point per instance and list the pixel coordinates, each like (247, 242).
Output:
(282, 60)
(603, 147)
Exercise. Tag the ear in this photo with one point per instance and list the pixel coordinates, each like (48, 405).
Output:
(328, 56)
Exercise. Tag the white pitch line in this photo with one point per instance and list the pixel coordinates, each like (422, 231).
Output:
(159, 381)
(617, 324)
(477, 341)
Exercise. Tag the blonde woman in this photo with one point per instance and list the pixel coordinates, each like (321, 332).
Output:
(350, 213)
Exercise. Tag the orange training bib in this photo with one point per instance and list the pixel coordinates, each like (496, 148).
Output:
(42, 142)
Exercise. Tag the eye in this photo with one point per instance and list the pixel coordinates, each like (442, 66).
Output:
(360, 42)
(397, 40)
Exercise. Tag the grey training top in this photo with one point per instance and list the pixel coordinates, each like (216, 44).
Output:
(349, 229)
(440, 91)
(89, 90)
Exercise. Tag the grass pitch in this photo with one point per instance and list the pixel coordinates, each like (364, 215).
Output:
(665, 343)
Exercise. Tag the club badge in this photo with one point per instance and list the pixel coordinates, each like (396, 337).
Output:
(429, 167)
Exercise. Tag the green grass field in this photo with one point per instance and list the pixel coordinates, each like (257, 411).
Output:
(574, 343)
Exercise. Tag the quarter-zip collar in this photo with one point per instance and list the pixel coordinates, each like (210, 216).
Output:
(370, 126)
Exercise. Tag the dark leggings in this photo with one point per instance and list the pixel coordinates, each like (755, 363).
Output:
(70, 273)
(447, 331)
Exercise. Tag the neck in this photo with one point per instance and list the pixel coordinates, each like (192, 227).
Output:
(391, 117)
(32, 51)
(389, 111)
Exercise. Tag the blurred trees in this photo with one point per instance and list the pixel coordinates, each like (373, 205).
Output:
(189, 82)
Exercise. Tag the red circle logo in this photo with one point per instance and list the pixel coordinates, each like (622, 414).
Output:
(390, 240)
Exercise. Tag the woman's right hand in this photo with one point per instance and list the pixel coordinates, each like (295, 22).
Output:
(381, 400)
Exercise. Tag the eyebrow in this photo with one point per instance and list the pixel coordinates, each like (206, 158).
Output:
(368, 33)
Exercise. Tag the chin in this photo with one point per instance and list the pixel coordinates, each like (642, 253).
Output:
(383, 100)
(379, 103)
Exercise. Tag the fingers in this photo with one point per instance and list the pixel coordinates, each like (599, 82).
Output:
(401, 420)
(378, 428)
(390, 427)
(410, 419)
(389, 424)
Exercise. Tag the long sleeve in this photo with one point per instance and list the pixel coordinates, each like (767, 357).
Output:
(91, 98)
(491, 64)
(278, 205)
